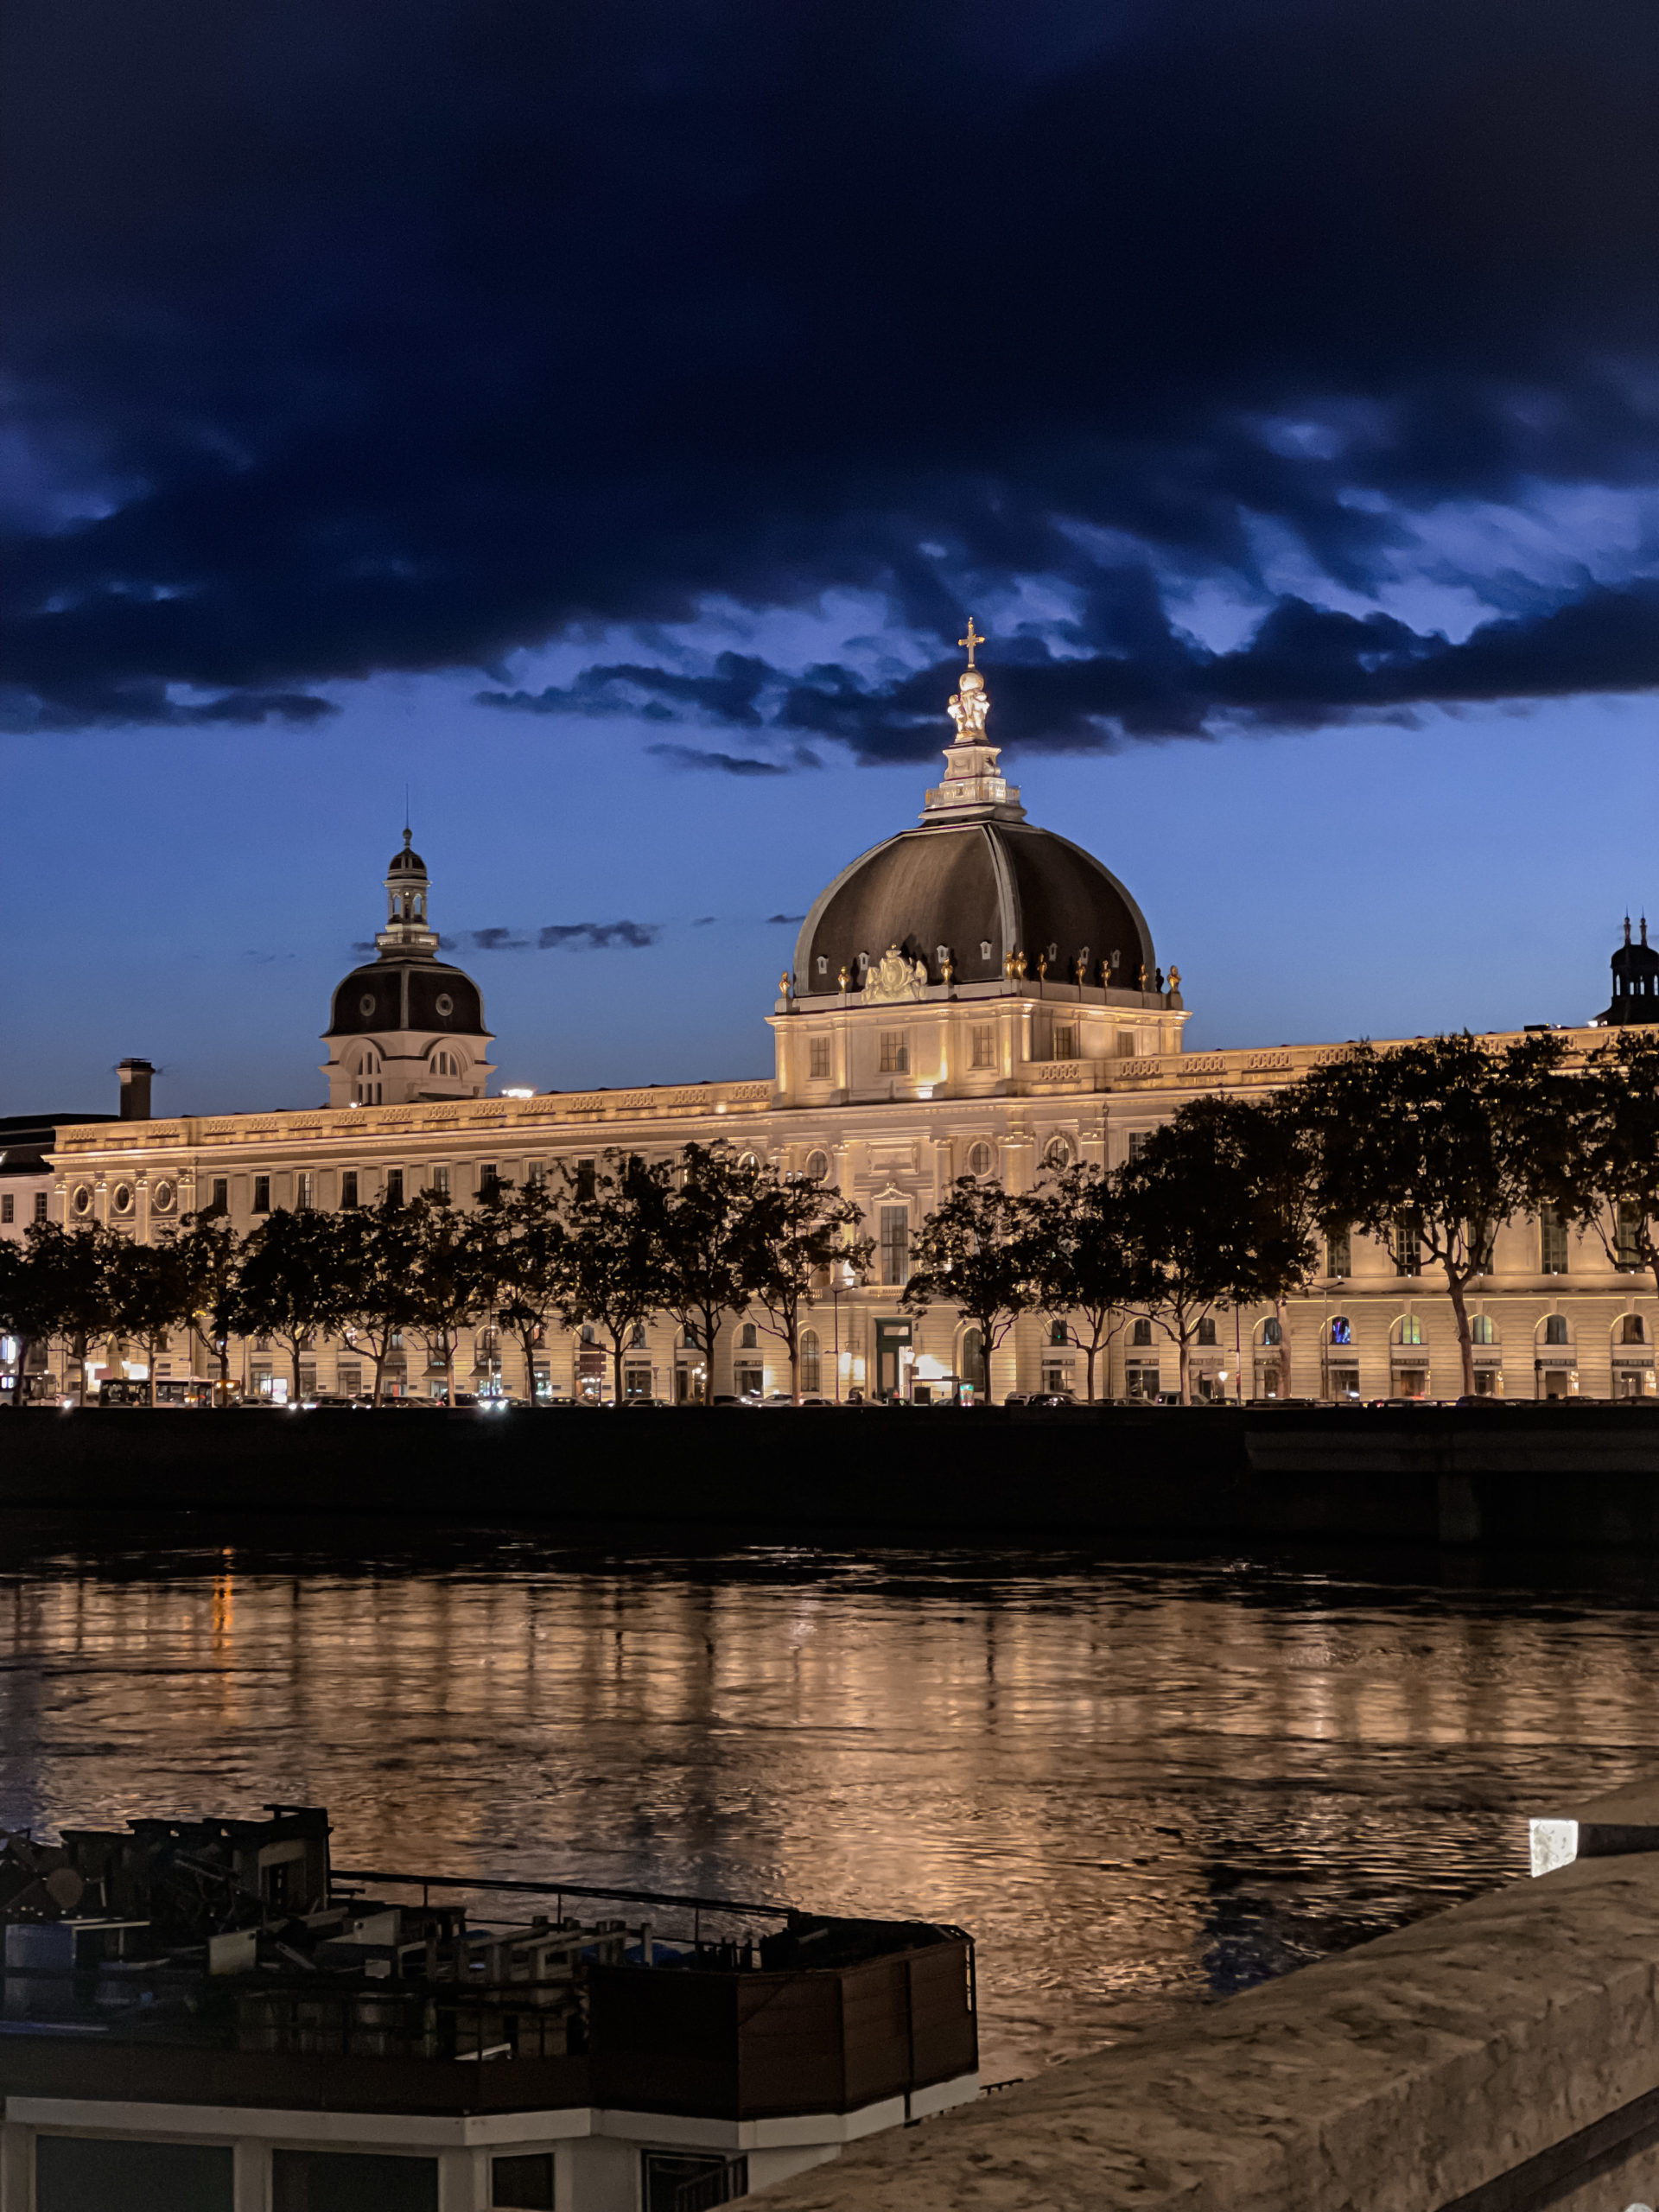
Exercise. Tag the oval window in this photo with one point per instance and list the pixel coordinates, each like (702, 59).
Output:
(1058, 1153)
(817, 1166)
(445, 1004)
(365, 1004)
(980, 1159)
(82, 1200)
(121, 1198)
(162, 1200)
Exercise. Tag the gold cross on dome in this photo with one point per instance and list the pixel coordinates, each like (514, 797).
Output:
(972, 640)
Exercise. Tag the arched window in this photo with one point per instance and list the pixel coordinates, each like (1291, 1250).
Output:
(817, 1166)
(1058, 1153)
(746, 1339)
(1342, 1330)
(981, 1159)
(1555, 1329)
(1058, 1333)
(1207, 1330)
(970, 1358)
(811, 1363)
(748, 1162)
(690, 1340)
(1271, 1332)
(637, 1337)
(1141, 1333)
(1632, 1329)
(1482, 1330)
(1409, 1329)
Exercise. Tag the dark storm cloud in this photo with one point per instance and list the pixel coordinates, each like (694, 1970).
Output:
(342, 339)
(598, 937)
(722, 764)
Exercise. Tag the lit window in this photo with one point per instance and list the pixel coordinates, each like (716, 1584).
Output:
(895, 1053)
(818, 1059)
(1342, 1332)
(1410, 1331)
(895, 1244)
(1552, 1243)
(1482, 1330)
(984, 1051)
(1065, 1041)
(441, 1182)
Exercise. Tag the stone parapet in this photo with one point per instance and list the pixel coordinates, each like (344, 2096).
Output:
(1499, 2057)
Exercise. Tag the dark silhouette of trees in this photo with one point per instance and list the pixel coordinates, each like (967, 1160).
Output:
(972, 1252)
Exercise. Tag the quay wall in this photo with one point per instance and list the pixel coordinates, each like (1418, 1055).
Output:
(1503, 2057)
(1583, 1475)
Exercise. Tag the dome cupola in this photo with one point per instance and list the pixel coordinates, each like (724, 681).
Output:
(1636, 982)
(406, 1026)
(975, 890)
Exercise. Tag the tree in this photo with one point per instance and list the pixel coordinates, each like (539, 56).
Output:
(377, 1247)
(611, 1269)
(453, 1278)
(534, 1262)
(1596, 1160)
(798, 1231)
(1440, 1142)
(1084, 1265)
(69, 1274)
(210, 1253)
(1202, 1235)
(292, 1285)
(707, 1243)
(1279, 1165)
(31, 1298)
(151, 1294)
(973, 1252)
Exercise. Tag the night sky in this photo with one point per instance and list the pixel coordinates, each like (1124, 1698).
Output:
(602, 419)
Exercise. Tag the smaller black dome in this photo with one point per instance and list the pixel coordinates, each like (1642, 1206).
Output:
(407, 863)
(1636, 982)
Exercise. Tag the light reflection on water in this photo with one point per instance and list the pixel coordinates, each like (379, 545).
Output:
(1137, 1785)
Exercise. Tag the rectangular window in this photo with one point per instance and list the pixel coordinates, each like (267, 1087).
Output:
(818, 1061)
(895, 1244)
(348, 1381)
(1340, 1253)
(489, 1180)
(221, 1202)
(1552, 1243)
(522, 2182)
(39, 1205)
(1065, 1041)
(1137, 1143)
(1626, 1249)
(348, 1186)
(895, 1053)
(394, 1186)
(585, 1180)
(441, 1182)
(302, 1185)
(984, 1051)
(8, 1207)
(352, 2181)
(536, 1175)
(665, 2174)
(74, 2172)
(262, 1194)
(1407, 1243)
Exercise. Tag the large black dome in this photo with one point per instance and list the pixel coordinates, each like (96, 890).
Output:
(967, 885)
(407, 994)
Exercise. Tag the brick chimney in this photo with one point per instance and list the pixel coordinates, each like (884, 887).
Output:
(134, 1090)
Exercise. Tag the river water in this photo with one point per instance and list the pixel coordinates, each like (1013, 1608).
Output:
(1139, 1786)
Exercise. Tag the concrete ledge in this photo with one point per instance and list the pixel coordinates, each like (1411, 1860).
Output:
(1503, 2053)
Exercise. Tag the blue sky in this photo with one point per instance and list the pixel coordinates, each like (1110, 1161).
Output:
(603, 418)
(194, 898)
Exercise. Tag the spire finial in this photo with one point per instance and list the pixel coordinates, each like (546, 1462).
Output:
(971, 640)
(1627, 929)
